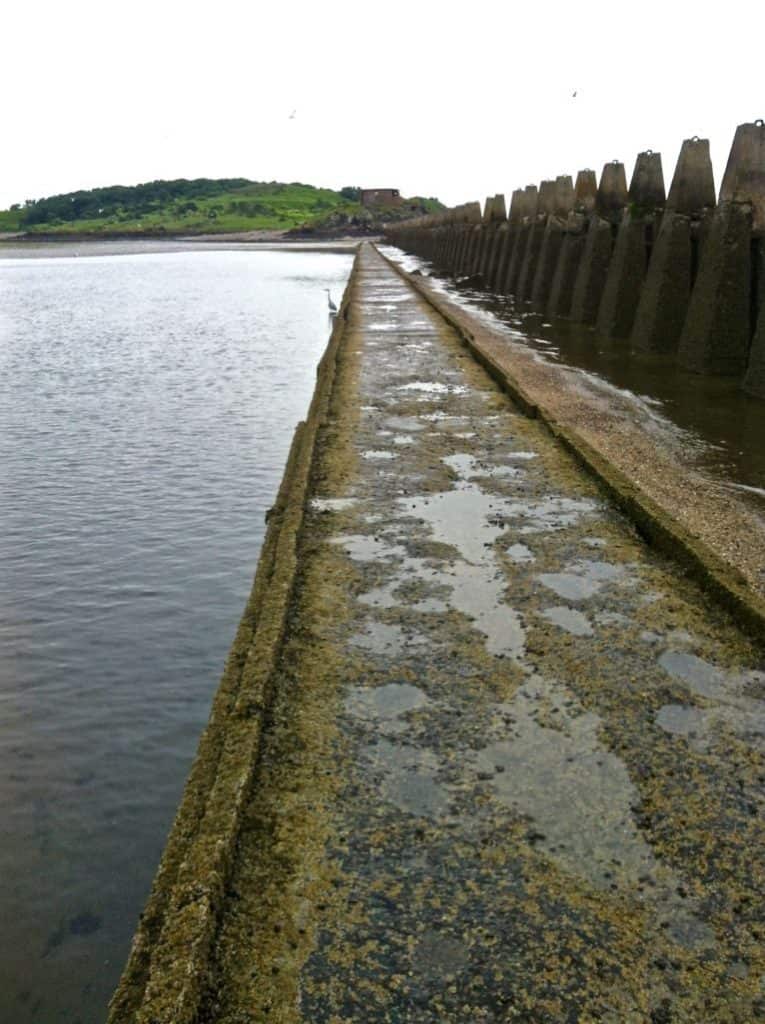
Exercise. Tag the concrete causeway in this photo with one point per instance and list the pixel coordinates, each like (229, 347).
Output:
(511, 768)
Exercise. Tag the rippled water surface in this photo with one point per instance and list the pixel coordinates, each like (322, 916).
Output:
(147, 403)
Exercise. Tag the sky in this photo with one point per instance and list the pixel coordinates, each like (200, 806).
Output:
(456, 102)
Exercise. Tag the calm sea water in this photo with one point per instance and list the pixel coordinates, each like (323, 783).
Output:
(147, 403)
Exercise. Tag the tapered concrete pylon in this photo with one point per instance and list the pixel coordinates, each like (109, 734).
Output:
(724, 306)
(633, 245)
(478, 239)
(531, 199)
(585, 191)
(717, 329)
(647, 184)
(508, 235)
(471, 218)
(693, 183)
(563, 196)
(498, 217)
(612, 194)
(563, 203)
(601, 232)
(666, 290)
(572, 246)
(744, 178)
(545, 209)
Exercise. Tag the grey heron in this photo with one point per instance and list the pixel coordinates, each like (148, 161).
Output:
(330, 303)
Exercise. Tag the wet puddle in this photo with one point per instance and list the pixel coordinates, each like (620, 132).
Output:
(406, 778)
(582, 580)
(569, 619)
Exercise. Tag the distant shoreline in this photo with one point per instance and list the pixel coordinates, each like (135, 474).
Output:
(272, 237)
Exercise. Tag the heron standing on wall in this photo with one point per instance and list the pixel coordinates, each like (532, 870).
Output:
(330, 303)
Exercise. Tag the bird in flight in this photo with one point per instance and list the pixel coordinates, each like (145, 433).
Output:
(292, 116)
(573, 94)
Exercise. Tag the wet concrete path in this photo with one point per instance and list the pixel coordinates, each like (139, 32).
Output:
(514, 768)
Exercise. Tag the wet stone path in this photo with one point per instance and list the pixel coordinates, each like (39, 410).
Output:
(514, 769)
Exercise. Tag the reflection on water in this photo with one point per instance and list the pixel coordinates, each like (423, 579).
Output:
(147, 403)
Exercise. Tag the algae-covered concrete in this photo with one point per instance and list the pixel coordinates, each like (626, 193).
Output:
(511, 760)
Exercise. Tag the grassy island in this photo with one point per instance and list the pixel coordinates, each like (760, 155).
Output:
(203, 206)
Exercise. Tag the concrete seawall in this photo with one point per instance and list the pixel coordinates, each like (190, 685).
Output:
(471, 723)
(684, 277)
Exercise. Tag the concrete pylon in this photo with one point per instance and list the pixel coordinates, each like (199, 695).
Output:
(591, 276)
(726, 298)
(693, 183)
(497, 218)
(545, 209)
(471, 219)
(572, 246)
(629, 261)
(647, 183)
(531, 199)
(507, 236)
(744, 178)
(549, 253)
(612, 194)
(585, 191)
(478, 238)
(717, 329)
(666, 290)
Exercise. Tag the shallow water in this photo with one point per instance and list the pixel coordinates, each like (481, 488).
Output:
(147, 403)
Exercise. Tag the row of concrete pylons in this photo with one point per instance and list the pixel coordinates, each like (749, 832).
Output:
(679, 274)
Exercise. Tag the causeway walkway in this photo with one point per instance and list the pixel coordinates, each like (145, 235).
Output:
(513, 768)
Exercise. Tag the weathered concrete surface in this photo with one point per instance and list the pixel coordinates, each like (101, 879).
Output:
(515, 262)
(666, 291)
(511, 764)
(629, 260)
(717, 330)
(592, 271)
(744, 178)
(545, 209)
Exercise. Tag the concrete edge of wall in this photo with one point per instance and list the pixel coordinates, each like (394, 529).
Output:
(723, 582)
(167, 971)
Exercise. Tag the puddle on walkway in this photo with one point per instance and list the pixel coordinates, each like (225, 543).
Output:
(468, 467)
(406, 777)
(582, 579)
(551, 767)
(433, 387)
(332, 504)
(410, 423)
(569, 619)
(520, 554)
(381, 708)
(466, 519)
(733, 707)
(549, 514)
(381, 454)
(577, 793)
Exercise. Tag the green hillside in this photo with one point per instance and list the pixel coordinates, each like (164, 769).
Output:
(199, 206)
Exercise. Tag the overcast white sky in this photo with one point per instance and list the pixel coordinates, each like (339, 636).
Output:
(452, 102)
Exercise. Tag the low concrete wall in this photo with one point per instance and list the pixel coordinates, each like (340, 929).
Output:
(166, 973)
(684, 277)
